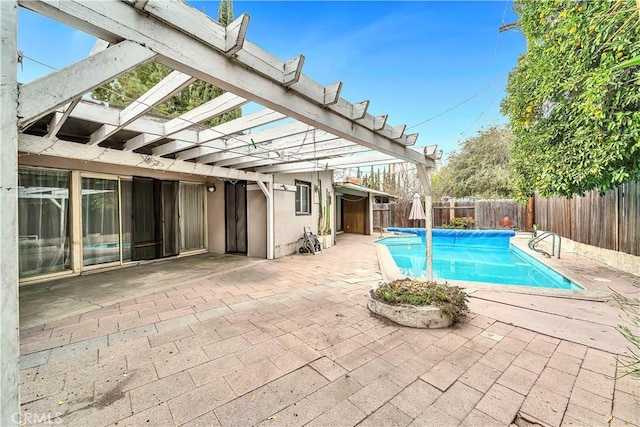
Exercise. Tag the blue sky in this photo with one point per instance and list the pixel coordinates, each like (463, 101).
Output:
(412, 60)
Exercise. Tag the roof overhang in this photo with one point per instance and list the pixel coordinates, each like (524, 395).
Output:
(348, 188)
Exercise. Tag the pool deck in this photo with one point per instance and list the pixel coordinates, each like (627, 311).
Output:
(197, 341)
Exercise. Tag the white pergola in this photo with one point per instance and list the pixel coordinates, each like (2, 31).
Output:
(298, 124)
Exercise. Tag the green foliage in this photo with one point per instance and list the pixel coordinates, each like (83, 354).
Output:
(575, 115)
(464, 222)
(452, 300)
(479, 169)
(130, 86)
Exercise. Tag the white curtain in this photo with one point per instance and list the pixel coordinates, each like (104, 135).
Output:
(191, 216)
(100, 221)
(43, 215)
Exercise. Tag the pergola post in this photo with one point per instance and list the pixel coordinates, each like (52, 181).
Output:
(267, 190)
(9, 320)
(424, 175)
(270, 222)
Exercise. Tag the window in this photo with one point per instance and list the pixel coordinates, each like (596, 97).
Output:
(303, 198)
(43, 221)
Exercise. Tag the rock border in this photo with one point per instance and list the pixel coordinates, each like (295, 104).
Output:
(425, 317)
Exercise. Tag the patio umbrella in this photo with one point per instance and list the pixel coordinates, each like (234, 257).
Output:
(417, 210)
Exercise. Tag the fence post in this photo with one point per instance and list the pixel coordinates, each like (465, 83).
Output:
(530, 214)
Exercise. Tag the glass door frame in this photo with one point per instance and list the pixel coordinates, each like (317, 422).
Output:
(97, 175)
(205, 229)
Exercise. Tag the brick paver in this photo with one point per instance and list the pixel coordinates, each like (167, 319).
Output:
(290, 342)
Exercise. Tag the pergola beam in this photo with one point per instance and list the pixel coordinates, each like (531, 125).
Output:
(165, 89)
(335, 163)
(172, 147)
(97, 112)
(36, 99)
(285, 73)
(259, 118)
(198, 25)
(219, 105)
(240, 145)
(293, 149)
(295, 133)
(39, 145)
(319, 154)
(159, 93)
(184, 52)
(59, 119)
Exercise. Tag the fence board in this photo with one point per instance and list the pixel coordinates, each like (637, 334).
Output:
(610, 221)
(487, 213)
(629, 223)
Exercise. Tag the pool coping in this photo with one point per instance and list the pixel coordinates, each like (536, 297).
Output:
(390, 271)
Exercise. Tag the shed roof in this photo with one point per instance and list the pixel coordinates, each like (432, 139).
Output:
(361, 189)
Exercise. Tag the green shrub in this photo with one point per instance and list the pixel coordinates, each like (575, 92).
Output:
(452, 300)
(461, 222)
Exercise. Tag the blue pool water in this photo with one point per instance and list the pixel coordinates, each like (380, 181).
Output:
(463, 256)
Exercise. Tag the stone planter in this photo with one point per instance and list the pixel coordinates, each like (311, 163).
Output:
(408, 315)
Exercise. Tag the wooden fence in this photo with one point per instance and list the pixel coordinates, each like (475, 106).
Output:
(611, 221)
(487, 213)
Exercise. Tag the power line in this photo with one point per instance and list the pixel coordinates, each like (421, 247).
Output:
(459, 104)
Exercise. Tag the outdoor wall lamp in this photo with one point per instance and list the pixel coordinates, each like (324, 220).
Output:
(211, 188)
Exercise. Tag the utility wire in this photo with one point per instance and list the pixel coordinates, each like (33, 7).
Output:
(459, 104)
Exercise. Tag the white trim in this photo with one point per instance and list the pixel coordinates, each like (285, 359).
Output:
(72, 150)
(59, 119)
(36, 99)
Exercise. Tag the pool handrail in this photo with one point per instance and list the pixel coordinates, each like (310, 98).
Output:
(537, 239)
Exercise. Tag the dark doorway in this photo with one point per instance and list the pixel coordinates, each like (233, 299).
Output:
(236, 216)
(155, 218)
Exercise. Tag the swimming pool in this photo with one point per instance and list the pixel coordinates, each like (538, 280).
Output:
(469, 257)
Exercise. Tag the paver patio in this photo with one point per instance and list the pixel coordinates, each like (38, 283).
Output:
(291, 342)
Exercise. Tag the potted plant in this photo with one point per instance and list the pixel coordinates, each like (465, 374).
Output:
(419, 303)
(534, 230)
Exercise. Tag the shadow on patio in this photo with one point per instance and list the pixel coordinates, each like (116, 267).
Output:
(44, 302)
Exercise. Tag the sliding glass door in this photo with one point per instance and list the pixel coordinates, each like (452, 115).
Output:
(126, 206)
(155, 218)
(120, 219)
(43, 221)
(100, 221)
(191, 217)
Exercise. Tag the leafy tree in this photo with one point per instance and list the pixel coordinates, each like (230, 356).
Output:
(480, 168)
(130, 86)
(574, 112)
